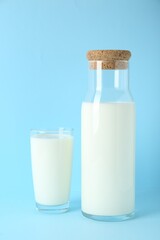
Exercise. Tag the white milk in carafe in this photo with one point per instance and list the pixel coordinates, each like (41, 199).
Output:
(108, 138)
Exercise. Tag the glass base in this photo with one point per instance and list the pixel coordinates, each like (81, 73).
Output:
(116, 218)
(56, 209)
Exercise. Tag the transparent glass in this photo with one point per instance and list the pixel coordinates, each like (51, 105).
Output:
(111, 85)
(108, 144)
(51, 157)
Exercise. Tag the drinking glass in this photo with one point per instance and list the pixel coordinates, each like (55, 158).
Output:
(51, 157)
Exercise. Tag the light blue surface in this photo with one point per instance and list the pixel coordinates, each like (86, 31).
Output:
(22, 221)
(43, 80)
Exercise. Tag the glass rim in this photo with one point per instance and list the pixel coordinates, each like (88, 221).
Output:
(56, 131)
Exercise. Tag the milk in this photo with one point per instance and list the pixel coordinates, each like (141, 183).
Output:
(51, 167)
(108, 139)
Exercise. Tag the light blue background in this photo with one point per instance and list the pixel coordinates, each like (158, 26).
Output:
(43, 80)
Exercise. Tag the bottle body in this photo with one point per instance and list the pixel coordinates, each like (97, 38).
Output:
(108, 158)
(108, 150)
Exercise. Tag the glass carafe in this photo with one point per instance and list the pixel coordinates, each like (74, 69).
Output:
(108, 138)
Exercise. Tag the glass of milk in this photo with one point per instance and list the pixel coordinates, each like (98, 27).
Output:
(108, 138)
(51, 157)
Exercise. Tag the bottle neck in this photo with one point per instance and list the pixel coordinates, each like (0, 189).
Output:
(107, 79)
(110, 85)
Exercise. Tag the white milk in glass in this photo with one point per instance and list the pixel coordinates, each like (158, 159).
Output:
(108, 137)
(51, 167)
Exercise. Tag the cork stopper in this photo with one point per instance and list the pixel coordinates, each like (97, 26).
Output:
(108, 59)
